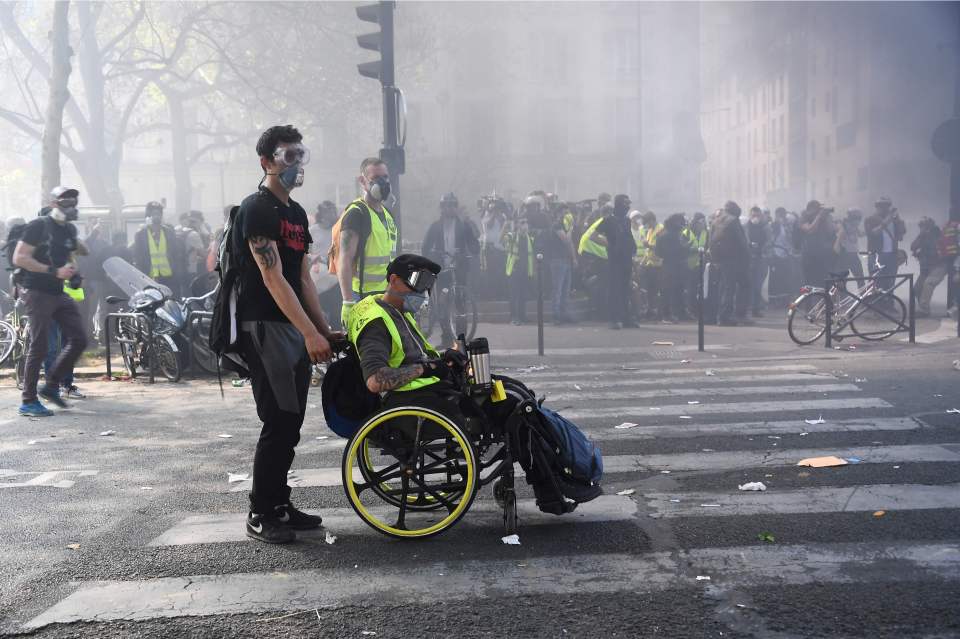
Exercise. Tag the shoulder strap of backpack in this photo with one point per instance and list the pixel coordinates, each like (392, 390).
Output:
(362, 240)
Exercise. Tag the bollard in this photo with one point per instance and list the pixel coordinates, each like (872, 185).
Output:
(828, 331)
(700, 346)
(540, 304)
(913, 311)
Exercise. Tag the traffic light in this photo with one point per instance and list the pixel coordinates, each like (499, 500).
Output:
(382, 41)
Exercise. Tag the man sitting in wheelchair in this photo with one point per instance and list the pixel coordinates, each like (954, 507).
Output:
(443, 425)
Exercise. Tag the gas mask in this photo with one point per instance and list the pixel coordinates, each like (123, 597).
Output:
(413, 301)
(379, 188)
(292, 157)
(65, 210)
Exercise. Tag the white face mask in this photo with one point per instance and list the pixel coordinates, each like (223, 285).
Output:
(58, 215)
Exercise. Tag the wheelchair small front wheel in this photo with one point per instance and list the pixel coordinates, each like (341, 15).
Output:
(417, 462)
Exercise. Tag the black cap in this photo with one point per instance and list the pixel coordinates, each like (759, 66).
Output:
(408, 263)
(154, 206)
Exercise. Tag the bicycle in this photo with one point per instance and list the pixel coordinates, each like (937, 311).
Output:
(14, 336)
(869, 311)
(451, 305)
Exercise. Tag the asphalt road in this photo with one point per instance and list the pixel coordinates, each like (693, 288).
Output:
(140, 534)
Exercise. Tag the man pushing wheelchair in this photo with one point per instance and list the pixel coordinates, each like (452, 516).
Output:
(427, 429)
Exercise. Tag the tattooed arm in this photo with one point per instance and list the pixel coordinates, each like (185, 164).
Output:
(387, 378)
(264, 251)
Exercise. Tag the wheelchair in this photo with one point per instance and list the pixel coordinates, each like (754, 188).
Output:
(411, 472)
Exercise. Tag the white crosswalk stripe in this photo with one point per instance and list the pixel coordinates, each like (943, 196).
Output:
(731, 411)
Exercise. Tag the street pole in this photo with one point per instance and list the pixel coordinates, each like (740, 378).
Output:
(700, 344)
(540, 304)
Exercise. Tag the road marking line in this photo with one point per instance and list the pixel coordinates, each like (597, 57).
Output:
(698, 369)
(658, 393)
(709, 461)
(426, 583)
(807, 501)
(48, 478)
(219, 528)
(602, 350)
(813, 407)
(702, 380)
(795, 427)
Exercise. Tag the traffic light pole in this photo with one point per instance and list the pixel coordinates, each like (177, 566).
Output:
(383, 70)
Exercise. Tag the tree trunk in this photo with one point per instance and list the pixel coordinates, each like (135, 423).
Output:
(57, 100)
(183, 188)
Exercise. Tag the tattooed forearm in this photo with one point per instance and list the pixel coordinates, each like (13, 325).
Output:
(264, 251)
(388, 378)
(348, 240)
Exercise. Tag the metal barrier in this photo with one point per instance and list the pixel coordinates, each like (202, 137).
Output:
(856, 305)
(140, 319)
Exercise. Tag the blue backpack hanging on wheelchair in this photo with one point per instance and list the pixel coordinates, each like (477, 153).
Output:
(347, 403)
(561, 464)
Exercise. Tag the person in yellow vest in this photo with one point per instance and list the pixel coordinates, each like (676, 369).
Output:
(592, 264)
(698, 237)
(519, 246)
(157, 250)
(366, 239)
(650, 267)
(397, 361)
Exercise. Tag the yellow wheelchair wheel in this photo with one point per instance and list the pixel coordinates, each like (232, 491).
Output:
(410, 472)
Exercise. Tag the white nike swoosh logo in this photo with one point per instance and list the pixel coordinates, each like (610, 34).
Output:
(257, 529)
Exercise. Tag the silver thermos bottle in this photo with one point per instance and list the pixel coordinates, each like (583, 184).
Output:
(479, 351)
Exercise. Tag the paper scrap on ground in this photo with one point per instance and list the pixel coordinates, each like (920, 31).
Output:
(662, 342)
(322, 437)
(685, 417)
(625, 425)
(710, 373)
(628, 491)
(108, 433)
(854, 460)
(953, 411)
(703, 578)
(693, 402)
(368, 633)
(753, 485)
(330, 539)
(709, 505)
(31, 442)
(233, 478)
(814, 422)
(577, 386)
(655, 408)
(532, 369)
(822, 462)
(675, 501)
(511, 540)
(880, 513)
(224, 436)
(146, 488)
(685, 361)
(73, 546)
(664, 472)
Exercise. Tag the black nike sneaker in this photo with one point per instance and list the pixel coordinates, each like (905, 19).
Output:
(295, 519)
(269, 529)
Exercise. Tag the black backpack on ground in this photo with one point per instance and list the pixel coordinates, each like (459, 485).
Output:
(561, 464)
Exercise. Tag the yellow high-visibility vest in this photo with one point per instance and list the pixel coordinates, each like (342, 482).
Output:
(588, 245)
(159, 263)
(697, 242)
(649, 257)
(75, 293)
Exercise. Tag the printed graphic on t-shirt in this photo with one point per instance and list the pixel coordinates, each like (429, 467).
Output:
(292, 236)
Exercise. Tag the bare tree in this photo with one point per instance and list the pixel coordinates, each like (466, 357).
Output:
(57, 101)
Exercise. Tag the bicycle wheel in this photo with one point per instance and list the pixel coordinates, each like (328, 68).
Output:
(466, 322)
(8, 339)
(20, 352)
(129, 345)
(807, 318)
(168, 361)
(879, 316)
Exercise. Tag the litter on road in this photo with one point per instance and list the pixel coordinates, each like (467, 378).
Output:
(710, 373)
(511, 540)
(822, 462)
(685, 361)
(224, 436)
(693, 402)
(625, 425)
(662, 342)
(330, 539)
(685, 417)
(108, 433)
(628, 491)
(853, 460)
(765, 536)
(953, 411)
(814, 422)
(577, 387)
(880, 513)
(73, 546)
(703, 578)
(753, 485)
(233, 478)
(322, 437)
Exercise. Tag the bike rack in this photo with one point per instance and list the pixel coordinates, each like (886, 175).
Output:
(142, 320)
(863, 305)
